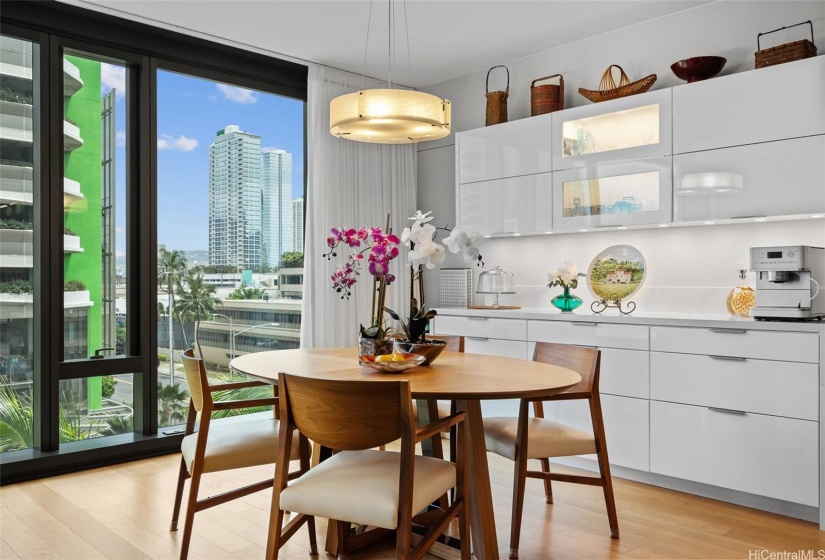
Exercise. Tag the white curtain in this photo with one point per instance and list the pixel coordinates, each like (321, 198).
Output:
(349, 184)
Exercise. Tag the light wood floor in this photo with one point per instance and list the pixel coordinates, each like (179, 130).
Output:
(123, 512)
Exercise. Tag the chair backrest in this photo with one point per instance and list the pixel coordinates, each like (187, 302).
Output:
(196, 377)
(347, 415)
(454, 343)
(584, 361)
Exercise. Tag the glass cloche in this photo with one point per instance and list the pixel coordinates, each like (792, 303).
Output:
(496, 281)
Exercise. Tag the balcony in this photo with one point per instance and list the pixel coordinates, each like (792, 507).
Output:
(17, 186)
(71, 192)
(71, 78)
(16, 127)
(71, 137)
(21, 306)
(17, 247)
(71, 244)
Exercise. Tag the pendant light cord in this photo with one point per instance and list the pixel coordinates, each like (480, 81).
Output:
(407, 34)
(391, 42)
(366, 46)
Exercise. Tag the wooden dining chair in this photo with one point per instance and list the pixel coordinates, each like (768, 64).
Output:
(222, 445)
(525, 438)
(359, 484)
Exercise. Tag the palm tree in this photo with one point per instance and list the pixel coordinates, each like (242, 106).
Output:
(171, 267)
(198, 299)
(16, 419)
(172, 403)
(118, 425)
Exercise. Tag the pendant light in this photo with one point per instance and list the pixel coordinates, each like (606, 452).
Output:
(389, 116)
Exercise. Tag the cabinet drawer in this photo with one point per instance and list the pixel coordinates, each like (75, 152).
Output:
(625, 373)
(509, 149)
(738, 342)
(496, 347)
(750, 107)
(626, 427)
(485, 327)
(588, 333)
(764, 455)
(778, 388)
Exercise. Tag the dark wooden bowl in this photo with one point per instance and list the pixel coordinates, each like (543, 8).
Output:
(698, 68)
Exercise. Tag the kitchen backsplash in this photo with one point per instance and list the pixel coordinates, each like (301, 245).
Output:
(689, 269)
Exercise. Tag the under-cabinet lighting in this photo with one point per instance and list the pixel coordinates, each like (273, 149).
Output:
(487, 236)
(760, 219)
(583, 230)
(817, 215)
(550, 232)
(709, 223)
(622, 227)
(516, 234)
(663, 225)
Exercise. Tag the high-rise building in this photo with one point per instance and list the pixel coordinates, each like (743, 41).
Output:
(235, 200)
(277, 214)
(298, 225)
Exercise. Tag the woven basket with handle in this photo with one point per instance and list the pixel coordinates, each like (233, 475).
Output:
(787, 52)
(497, 100)
(609, 90)
(548, 97)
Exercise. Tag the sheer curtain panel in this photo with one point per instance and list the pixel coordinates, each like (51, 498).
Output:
(349, 184)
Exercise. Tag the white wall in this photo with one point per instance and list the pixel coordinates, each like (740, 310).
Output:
(690, 268)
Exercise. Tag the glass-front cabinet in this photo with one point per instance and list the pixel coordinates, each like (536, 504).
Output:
(621, 194)
(781, 178)
(626, 129)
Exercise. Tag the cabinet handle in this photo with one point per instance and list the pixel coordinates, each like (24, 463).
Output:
(726, 410)
(732, 358)
(583, 323)
(482, 338)
(478, 318)
(729, 331)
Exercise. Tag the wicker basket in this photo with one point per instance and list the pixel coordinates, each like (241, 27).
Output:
(546, 98)
(787, 52)
(608, 89)
(496, 101)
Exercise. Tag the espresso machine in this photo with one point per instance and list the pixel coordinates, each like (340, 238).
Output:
(788, 282)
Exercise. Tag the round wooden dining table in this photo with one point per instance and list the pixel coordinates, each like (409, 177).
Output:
(455, 376)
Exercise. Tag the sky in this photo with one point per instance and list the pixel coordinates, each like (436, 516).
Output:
(190, 112)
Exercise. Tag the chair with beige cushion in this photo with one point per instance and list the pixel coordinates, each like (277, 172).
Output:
(220, 445)
(542, 438)
(359, 484)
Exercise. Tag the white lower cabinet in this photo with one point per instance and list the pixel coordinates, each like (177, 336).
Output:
(626, 426)
(755, 453)
(496, 347)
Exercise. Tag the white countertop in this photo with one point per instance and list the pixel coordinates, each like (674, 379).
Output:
(638, 318)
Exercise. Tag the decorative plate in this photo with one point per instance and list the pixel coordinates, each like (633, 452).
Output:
(410, 361)
(616, 273)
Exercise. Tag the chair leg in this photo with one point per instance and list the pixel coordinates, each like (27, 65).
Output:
(519, 482)
(276, 523)
(313, 542)
(610, 502)
(191, 505)
(343, 528)
(548, 485)
(182, 476)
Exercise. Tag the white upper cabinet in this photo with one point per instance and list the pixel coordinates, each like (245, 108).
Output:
(780, 178)
(521, 147)
(774, 103)
(507, 206)
(618, 194)
(626, 129)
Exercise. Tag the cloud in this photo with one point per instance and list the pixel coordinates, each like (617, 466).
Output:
(120, 138)
(120, 229)
(179, 144)
(238, 95)
(113, 77)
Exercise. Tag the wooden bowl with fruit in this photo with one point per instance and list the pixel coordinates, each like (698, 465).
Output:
(393, 363)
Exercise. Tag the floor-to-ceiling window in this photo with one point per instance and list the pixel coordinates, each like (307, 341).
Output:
(148, 192)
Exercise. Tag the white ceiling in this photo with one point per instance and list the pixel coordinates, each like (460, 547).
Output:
(448, 38)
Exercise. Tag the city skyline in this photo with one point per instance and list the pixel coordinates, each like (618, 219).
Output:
(190, 110)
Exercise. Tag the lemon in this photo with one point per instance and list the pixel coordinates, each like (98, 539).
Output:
(397, 358)
(390, 358)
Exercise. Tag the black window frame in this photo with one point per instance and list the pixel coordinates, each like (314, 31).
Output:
(53, 26)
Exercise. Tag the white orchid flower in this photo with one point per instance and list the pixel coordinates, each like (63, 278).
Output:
(405, 236)
(471, 256)
(422, 234)
(421, 218)
(437, 256)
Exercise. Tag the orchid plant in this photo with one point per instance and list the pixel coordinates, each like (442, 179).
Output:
(566, 277)
(426, 253)
(380, 248)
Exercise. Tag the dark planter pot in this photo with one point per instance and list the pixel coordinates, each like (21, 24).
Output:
(429, 349)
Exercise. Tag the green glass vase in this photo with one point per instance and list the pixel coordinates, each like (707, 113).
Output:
(566, 302)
